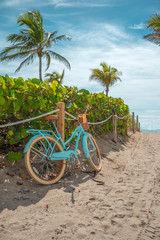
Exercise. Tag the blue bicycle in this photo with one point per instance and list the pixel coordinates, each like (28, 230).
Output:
(46, 153)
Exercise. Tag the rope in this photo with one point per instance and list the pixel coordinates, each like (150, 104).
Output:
(28, 120)
(45, 114)
(120, 117)
(73, 118)
(101, 121)
(91, 123)
(69, 119)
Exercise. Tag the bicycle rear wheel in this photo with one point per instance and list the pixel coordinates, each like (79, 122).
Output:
(41, 169)
(95, 157)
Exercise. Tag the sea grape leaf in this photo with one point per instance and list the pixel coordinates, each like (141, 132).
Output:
(2, 82)
(14, 156)
(24, 134)
(36, 81)
(2, 100)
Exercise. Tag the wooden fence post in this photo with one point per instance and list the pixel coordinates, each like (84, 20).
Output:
(126, 127)
(115, 128)
(133, 123)
(129, 122)
(137, 127)
(61, 119)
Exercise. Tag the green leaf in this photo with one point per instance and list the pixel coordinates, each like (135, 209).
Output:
(14, 156)
(1, 113)
(53, 86)
(24, 134)
(2, 82)
(18, 156)
(69, 105)
(17, 106)
(30, 98)
(11, 156)
(2, 100)
(36, 81)
(10, 133)
(12, 141)
(84, 91)
(74, 105)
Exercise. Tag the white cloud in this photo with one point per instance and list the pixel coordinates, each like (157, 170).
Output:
(136, 58)
(138, 26)
(80, 3)
(56, 3)
(115, 31)
(12, 3)
(23, 5)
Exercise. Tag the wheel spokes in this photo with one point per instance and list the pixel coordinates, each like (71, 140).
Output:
(39, 161)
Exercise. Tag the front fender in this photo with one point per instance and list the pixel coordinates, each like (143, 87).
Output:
(84, 144)
(35, 136)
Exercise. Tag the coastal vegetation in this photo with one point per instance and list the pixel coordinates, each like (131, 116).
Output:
(153, 24)
(23, 99)
(54, 76)
(107, 75)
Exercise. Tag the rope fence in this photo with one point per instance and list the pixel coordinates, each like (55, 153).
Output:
(70, 115)
(28, 120)
(91, 123)
(61, 118)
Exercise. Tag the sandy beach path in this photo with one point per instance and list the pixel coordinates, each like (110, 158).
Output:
(122, 202)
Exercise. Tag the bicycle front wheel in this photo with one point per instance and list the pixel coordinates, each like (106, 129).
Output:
(39, 167)
(94, 153)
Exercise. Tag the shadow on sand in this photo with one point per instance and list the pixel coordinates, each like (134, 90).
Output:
(16, 191)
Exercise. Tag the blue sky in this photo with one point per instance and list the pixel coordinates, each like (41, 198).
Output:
(101, 30)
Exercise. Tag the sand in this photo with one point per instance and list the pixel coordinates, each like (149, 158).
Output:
(120, 202)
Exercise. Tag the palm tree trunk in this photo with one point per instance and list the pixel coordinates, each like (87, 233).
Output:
(40, 68)
(107, 90)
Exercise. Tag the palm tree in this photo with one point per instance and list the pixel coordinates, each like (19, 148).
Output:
(107, 76)
(154, 25)
(33, 41)
(54, 76)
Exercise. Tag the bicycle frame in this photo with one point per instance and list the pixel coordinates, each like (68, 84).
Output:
(65, 154)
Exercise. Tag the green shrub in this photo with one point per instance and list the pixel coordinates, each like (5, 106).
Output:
(22, 99)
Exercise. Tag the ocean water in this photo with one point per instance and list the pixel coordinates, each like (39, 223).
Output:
(150, 123)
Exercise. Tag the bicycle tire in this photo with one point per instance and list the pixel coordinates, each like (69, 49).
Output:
(94, 159)
(42, 170)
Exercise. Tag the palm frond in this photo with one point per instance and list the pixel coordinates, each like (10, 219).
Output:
(12, 56)
(62, 75)
(48, 58)
(154, 23)
(54, 76)
(61, 37)
(27, 61)
(16, 38)
(107, 76)
(51, 38)
(60, 58)
(31, 41)
(34, 22)
(153, 37)
(97, 75)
